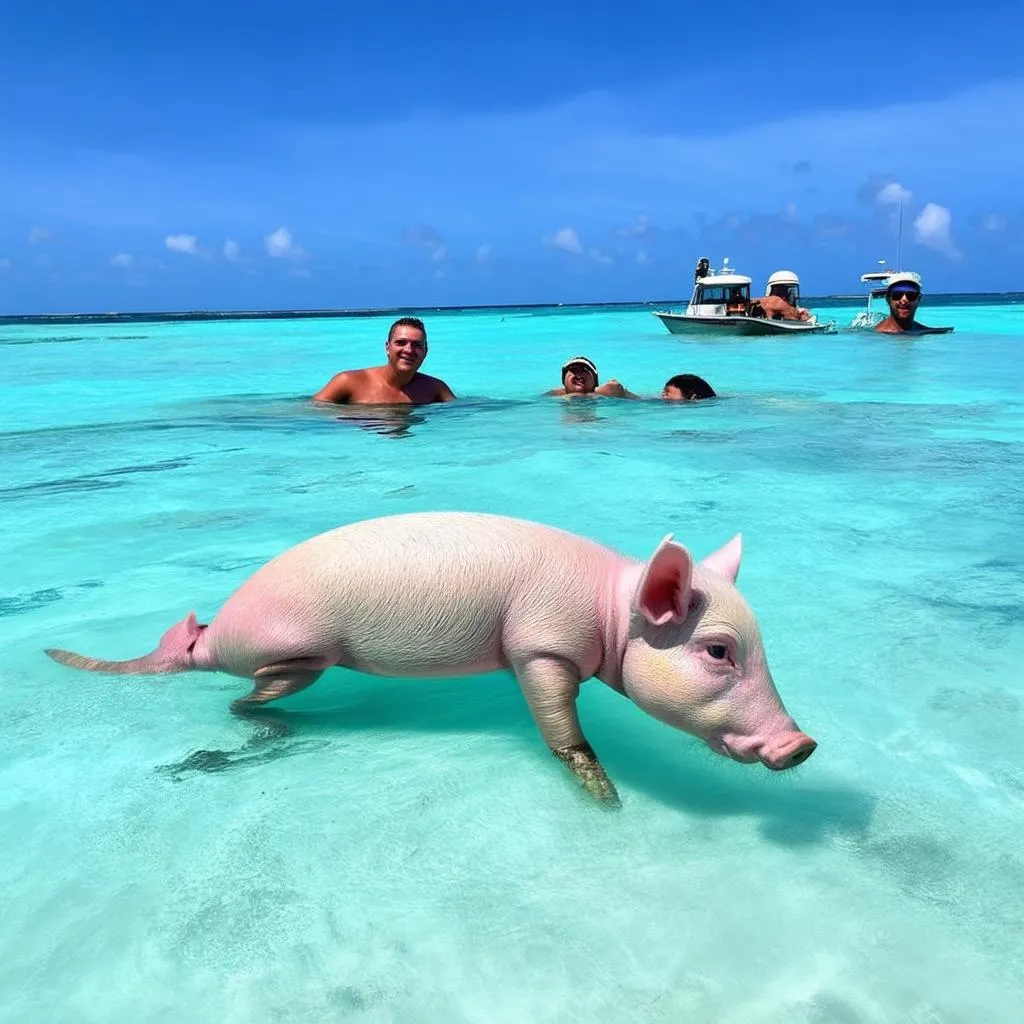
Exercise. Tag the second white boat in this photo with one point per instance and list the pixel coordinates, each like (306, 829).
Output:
(721, 304)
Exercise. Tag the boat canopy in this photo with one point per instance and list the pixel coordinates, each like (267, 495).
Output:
(724, 288)
(885, 275)
(786, 280)
(719, 280)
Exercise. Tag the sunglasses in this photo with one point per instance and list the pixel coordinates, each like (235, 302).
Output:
(913, 294)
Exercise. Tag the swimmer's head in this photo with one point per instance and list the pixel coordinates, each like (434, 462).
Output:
(903, 294)
(579, 376)
(406, 346)
(686, 387)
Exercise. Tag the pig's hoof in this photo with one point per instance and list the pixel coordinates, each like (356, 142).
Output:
(605, 794)
(583, 763)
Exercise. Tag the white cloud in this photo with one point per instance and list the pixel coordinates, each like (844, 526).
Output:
(232, 252)
(995, 222)
(568, 240)
(182, 243)
(932, 229)
(483, 253)
(427, 237)
(789, 213)
(37, 235)
(640, 227)
(280, 244)
(5, 265)
(894, 193)
(642, 258)
(122, 259)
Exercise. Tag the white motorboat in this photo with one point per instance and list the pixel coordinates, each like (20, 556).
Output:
(721, 304)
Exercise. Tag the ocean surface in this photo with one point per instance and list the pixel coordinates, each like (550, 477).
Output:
(408, 850)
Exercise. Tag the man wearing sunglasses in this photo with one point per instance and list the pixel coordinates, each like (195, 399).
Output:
(903, 296)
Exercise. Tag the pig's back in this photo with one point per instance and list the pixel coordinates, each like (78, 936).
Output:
(418, 594)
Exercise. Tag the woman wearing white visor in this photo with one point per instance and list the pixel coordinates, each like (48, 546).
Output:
(579, 377)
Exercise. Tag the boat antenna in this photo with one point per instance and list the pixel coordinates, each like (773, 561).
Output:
(899, 242)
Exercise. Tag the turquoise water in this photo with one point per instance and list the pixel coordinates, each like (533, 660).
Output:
(409, 851)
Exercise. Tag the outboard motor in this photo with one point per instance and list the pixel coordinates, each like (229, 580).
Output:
(703, 266)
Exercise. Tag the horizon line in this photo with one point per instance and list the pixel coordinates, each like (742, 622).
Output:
(113, 316)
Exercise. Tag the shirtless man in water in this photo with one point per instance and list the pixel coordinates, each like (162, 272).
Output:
(778, 305)
(398, 381)
(903, 295)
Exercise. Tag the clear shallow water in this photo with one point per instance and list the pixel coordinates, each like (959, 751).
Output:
(410, 851)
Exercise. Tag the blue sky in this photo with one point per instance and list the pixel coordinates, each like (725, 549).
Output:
(264, 155)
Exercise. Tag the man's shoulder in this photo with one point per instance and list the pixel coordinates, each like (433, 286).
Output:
(349, 376)
(343, 385)
(430, 382)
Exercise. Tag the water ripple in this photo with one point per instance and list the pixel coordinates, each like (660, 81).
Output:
(91, 481)
(20, 603)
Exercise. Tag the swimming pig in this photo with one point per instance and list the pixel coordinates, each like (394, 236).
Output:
(450, 593)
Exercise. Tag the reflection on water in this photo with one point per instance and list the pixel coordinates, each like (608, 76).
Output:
(387, 420)
(399, 420)
(583, 409)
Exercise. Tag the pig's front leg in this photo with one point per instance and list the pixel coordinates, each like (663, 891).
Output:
(551, 687)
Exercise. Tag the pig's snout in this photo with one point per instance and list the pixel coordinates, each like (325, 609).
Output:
(787, 751)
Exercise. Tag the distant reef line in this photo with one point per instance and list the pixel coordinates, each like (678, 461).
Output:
(199, 315)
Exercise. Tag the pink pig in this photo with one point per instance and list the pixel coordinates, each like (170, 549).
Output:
(450, 593)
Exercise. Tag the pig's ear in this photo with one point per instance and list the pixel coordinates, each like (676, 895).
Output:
(726, 560)
(663, 594)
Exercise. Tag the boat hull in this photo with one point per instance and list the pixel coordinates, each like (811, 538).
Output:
(744, 326)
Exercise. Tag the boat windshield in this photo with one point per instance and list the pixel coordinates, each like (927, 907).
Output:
(789, 292)
(717, 293)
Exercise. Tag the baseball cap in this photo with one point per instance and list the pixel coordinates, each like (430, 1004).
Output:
(579, 361)
(907, 277)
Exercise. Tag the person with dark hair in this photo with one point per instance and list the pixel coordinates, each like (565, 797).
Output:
(687, 387)
(579, 377)
(398, 381)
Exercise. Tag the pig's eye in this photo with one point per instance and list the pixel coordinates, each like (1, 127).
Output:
(718, 651)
